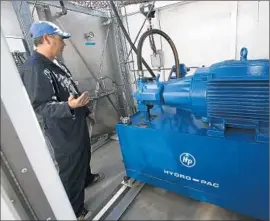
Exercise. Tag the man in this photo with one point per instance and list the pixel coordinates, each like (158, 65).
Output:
(56, 98)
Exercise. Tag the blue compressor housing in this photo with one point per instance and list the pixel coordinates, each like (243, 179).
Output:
(206, 137)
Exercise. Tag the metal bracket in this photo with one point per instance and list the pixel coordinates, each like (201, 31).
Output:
(151, 10)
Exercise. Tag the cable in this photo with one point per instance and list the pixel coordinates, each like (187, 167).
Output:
(169, 40)
(128, 38)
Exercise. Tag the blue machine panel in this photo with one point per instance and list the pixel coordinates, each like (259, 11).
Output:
(174, 152)
(207, 136)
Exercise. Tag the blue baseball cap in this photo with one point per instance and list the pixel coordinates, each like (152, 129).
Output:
(41, 28)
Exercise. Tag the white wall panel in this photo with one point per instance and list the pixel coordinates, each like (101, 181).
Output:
(201, 32)
(253, 28)
(247, 27)
(206, 32)
(263, 30)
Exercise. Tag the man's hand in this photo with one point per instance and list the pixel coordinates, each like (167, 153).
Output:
(79, 102)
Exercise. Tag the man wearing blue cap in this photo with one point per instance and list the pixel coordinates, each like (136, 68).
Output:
(56, 98)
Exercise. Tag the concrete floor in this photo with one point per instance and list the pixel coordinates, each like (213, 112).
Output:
(151, 203)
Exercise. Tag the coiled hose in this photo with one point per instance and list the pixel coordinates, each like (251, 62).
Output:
(129, 40)
(168, 39)
(138, 51)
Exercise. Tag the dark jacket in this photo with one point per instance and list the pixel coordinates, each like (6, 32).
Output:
(49, 87)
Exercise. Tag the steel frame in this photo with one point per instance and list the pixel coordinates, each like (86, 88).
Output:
(123, 64)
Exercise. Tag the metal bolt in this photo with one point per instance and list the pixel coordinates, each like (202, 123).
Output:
(24, 170)
(49, 218)
(12, 201)
(125, 120)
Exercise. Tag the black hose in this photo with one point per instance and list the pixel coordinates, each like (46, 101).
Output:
(129, 40)
(169, 40)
